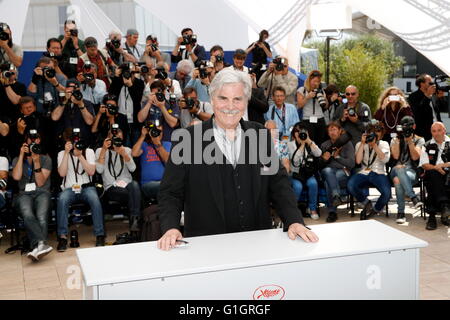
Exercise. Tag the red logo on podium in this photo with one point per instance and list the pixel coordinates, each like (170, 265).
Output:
(269, 292)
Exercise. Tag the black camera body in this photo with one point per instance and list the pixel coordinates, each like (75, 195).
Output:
(74, 32)
(33, 146)
(189, 39)
(173, 100)
(52, 56)
(145, 69)
(162, 74)
(116, 142)
(153, 130)
(279, 63)
(113, 43)
(88, 77)
(303, 134)
(77, 95)
(371, 137)
(160, 96)
(112, 109)
(49, 72)
(321, 99)
(404, 131)
(351, 112)
(126, 70)
(4, 36)
(190, 103)
(76, 140)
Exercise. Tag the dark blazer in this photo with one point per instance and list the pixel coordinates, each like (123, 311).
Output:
(423, 115)
(257, 106)
(136, 91)
(197, 190)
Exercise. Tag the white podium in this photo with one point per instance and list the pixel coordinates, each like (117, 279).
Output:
(352, 260)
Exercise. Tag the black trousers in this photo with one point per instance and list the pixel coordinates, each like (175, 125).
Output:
(317, 131)
(436, 191)
(130, 195)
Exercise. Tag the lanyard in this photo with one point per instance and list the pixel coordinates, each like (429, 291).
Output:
(282, 118)
(112, 165)
(133, 49)
(76, 168)
(372, 157)
(302, 158)
(30, 170)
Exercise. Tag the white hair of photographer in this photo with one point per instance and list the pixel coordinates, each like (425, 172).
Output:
(115, 33)
(228, 76)
(186, 66)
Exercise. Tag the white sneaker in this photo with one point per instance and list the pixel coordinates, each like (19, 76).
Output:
(33, 255)
(43, 250)
(314, 216)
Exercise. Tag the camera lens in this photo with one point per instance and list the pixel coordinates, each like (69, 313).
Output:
(145, 69)
(160, 96)
(77, 95)
(49, 72)
(35, 148)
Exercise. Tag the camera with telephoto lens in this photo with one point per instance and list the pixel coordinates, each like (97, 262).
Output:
(280, 63)
(321, 97)
(4, 36)
(143, 67)
(49, 72)
(33, 146)
(115, 141)
(442, 82)
(88, 77)
(351, 112)
(190, 103)
(74, 32)
(371, 137)
(112, 109)
(113, 43)
(160, 96)
(255, 69)
(162, 74)
(152, 128)
(303, 134)
(76, 140)
(189, 39)
(126, 70)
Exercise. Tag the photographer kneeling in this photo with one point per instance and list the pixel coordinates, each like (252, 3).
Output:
(303, 153)
(76, 165)
(32, 170)
(372, 154)
(405, 149)
(115, 164)
(338, 160)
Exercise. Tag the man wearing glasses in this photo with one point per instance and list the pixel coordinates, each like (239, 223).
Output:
(353, 114)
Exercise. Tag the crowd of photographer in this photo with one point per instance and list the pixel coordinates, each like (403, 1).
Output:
(108, 114)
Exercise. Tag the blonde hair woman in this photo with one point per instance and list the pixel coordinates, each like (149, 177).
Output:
(392, 107)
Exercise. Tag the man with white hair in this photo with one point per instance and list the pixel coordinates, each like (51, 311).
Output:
(115, 50)
(183, 73)
(435, 160)
(231, 190)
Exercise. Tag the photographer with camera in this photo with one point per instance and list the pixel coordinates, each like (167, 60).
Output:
(372, 154)
(423, 105)
(74, 111)
(157, 108)
(10, 91)
(238, 61)
(183, 73)
(92, 88)
(337, 162)
(353, 115)
(192, 108)
(201, 80)
(107, 116)
(217, 57)
(46, 85)
(115, 50)
(334, 99)
(435, 160)
(188, 49)
(54, 52)
(154, 154)
(9, 51)
(129, 90)
(172, 87)
(32, 171)
(406, 148)
(99, 58)
(115, 164)
(312, 100)
(392, 107)
(4, 169)
(152, 54)
(76, 165)
(284, 114)
(304, 154)
(260, 51)
(134, 49)
(278, 75)
(280, 147)
(72, 48)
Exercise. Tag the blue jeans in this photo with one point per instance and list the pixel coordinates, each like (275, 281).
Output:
(407, 177)
(334, 178)
(151, 189)
(87, 195)
(313, 191)
(130, 195)
(359, 183)
(34, 207)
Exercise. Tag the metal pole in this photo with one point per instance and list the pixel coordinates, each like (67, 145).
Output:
(327, 74)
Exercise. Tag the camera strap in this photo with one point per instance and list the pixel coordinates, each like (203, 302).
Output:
(371, 158)
(29, 170)
(112, 165)
(75, 169)
(282, 118)
(301, 163)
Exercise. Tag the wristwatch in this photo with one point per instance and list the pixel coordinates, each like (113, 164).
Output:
(57, 85)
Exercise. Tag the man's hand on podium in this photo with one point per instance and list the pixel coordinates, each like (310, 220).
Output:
(169, 239)
(297, 229)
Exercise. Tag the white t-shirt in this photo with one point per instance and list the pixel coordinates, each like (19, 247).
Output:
(176, 91)
(96, 94)
(371, 160)
(245, 69)
(4, 166)
(82, 177)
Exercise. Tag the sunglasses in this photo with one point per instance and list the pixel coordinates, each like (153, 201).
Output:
(350, 94)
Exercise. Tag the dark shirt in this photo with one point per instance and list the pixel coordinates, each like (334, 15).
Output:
(423, 114)
(257, 106)
(68, 68)
(156, 114)
(9, 109)
(104, 127)
(259, 55)
(390, 118)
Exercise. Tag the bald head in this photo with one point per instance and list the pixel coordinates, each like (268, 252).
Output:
(352, 95)
(438, 131)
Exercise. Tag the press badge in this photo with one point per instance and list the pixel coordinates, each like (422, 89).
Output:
(432, 152)
(393, 135)
(73, 60)
(76, 188)
(366, 113)
(48, 96)
(29, 187)
(120, 184)
(313, 119)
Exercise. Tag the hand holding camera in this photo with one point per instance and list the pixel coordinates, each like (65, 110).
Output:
(24, 150)
(21, 125)
(107, 144)
(68, 147)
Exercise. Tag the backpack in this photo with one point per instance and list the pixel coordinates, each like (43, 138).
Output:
(150, 229)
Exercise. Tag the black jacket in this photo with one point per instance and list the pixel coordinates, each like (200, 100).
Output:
(423, 114)
(257, 106)
(136, 91)
(197, 190)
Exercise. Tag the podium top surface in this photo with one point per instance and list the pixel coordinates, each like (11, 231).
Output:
(139, 261)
